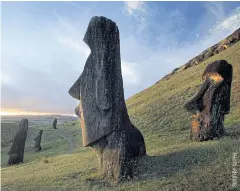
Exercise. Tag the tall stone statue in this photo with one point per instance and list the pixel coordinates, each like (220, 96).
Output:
(54, 124)
(212, 102)
(105, 123)
(16, 152)
(37, 140)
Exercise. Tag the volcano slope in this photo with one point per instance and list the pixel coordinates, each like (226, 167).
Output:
(174, 162)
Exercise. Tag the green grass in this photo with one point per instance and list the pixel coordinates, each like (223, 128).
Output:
(54, 142)
(173, 162)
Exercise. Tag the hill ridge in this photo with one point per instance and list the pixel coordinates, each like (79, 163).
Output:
(213, 50)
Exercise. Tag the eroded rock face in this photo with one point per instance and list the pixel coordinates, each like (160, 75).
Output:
(16, 152)
(105, 123)
(54, 125)
(37, 140)
(211, 102)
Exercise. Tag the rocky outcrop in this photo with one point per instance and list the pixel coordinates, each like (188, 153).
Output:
(16, 152)
(54, 125)
(105, 123)
(215, 49)
(37, 140)
(212, 102)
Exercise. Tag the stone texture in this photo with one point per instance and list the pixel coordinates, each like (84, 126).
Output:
(54, 125)
(211, 102)
(105, 123)
(37, 140)
(16, 152)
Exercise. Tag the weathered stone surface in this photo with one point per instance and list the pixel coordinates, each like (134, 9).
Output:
(37, 140)
(16, 152)
(102, 110)
(211, 102)
(54, 125)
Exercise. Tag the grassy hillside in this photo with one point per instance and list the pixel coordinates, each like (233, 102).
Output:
(173, 162)
(158, 110)
(54, 142)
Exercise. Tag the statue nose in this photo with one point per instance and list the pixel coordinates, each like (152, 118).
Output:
(74, 91)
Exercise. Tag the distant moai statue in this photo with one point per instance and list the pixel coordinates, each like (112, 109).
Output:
(105, 123)
(16, 152)
(211, 102)
(37, 140)
(54, 125)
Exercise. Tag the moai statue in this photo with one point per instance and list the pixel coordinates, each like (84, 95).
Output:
(16, 152)
(54, 125)
(37, 140)
(105, 123)
(211, 102)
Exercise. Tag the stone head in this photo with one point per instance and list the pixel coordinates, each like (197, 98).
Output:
(217, 78)
(98, 87)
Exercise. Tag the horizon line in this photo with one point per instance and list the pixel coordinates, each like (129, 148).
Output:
(32, 113)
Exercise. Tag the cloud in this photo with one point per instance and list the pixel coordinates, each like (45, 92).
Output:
(143, 65)
(70, 41)
(5, 78)
(38, 91)
(75, 45)
(138, 10)
(39, 66)
(154, 63)
(230, 23)
(216, 10)
(130, 73)
(65, 24)
(134, 6)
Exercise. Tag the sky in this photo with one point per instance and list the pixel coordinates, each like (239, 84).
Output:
(43, 53)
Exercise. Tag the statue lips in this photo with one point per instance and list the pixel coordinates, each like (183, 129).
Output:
(77, 111)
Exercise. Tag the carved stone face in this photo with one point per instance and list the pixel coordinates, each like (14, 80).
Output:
(211, 102)
(217, 76)
(220, 75)
(96, 85)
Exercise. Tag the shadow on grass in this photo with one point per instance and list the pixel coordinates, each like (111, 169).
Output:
(207, 154)
(163, 166)
(203, 155)
(234, 132)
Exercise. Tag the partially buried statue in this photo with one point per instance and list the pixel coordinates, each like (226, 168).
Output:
(37, 140)
(54, 124)
(105, 123)
(211, 102)
(16, 152)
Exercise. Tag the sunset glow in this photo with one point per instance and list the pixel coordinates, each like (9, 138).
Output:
(12, 112)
